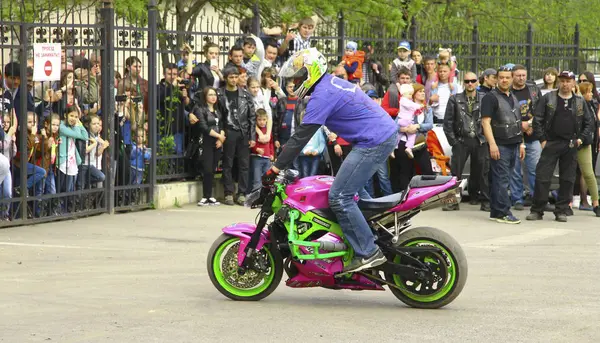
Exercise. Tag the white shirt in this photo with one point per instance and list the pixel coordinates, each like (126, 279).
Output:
(444, 92)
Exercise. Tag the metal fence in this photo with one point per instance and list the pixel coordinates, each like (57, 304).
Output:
(118, 63)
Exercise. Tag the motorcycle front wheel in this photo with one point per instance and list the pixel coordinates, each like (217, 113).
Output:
(449, 270)
(222, 266)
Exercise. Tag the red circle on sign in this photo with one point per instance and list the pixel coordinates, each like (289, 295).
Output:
(48, 68)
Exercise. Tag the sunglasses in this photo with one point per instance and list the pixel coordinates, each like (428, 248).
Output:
(443, 63)
(469, 81)
(582, 81)
(505, 68)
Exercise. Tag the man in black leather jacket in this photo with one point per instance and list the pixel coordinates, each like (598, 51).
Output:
(563, 123)
(237, 106)
(462, 126)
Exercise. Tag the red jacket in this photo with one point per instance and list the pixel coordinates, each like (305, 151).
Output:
(267, 147)
(385, 103)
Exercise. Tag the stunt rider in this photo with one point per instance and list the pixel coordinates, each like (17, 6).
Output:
(349, 112)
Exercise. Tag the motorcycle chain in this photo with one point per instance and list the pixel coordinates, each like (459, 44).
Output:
(376, 278)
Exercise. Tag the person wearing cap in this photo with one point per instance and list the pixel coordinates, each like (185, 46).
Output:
(529, 97)
(353, 62)
(564, 123)
(487, 81)
(405, 61)
(501, 123)
(373, 71)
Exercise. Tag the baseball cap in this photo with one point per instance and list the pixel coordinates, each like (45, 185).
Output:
(404, 45)
(372, 93)
(489, 71)
(567, 74)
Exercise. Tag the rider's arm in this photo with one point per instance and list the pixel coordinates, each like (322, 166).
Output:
(294, 146)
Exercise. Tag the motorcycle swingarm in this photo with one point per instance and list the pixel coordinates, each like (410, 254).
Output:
(406, 253)
(402, 270)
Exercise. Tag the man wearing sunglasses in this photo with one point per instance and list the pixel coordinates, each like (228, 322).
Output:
(564, 123)
(528, 96)
(462, 126)
(501, 122)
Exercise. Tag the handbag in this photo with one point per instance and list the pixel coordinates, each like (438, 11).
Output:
(194, 149)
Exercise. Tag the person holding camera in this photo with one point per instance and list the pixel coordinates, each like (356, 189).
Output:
(172, 100)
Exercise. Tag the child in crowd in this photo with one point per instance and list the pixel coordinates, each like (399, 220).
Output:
(445, 57)
(9, 150)
(89, 173)
(408, 110)
(262, 153)
(251, 62)
(51, 127)
(261, 101)
(285, 116)
(312, 154)
(69, 159)
(403, 60)
(353, 61)
(139, 155)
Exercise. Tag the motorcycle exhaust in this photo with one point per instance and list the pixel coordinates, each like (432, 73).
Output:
(451, 196)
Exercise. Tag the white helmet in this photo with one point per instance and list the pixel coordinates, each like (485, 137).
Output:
(305, 67)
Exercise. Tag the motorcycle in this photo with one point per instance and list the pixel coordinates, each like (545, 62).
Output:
(425, 268)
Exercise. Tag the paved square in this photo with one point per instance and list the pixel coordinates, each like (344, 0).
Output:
(141, 277)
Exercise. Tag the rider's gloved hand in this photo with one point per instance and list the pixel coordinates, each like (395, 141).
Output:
(269, 177)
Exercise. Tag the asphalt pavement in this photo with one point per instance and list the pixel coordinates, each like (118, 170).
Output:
(141, 277)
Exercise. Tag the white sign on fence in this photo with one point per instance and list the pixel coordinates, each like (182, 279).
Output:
(46, 61)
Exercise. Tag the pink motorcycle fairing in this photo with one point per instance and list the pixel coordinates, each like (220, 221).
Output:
(416, 196)
(244, 232)
(310, 193)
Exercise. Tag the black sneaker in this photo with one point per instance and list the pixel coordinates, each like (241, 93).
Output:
(535, 216)
(509, 219)
(359, 263)
(203, 202)
(597, 211)
(561, 218)
(569, 212)
(213, 202)
(485, 207)
(519, 207)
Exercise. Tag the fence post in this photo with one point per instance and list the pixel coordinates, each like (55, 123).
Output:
(413, 33)
(107, 100)
(475, 49)
(22, 115)
(529, 48)
(256, 19)
(341, 34)
(152, 124)
(576, 49)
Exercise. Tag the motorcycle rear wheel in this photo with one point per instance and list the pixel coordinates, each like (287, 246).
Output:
(453, 274)
(222, 266)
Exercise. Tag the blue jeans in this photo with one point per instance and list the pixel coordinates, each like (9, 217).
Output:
(136, 176)
(308, 165)
(66, 182)
(356, 170)
(6, 193)
(258, 166)
(35, 178)
(533, 150)
(50, 183)
(178, 137)
(500, 173)
(95, 176)
(384, 181)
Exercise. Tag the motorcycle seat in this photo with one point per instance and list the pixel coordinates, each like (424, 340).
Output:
(381, 204)
(421, 181)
